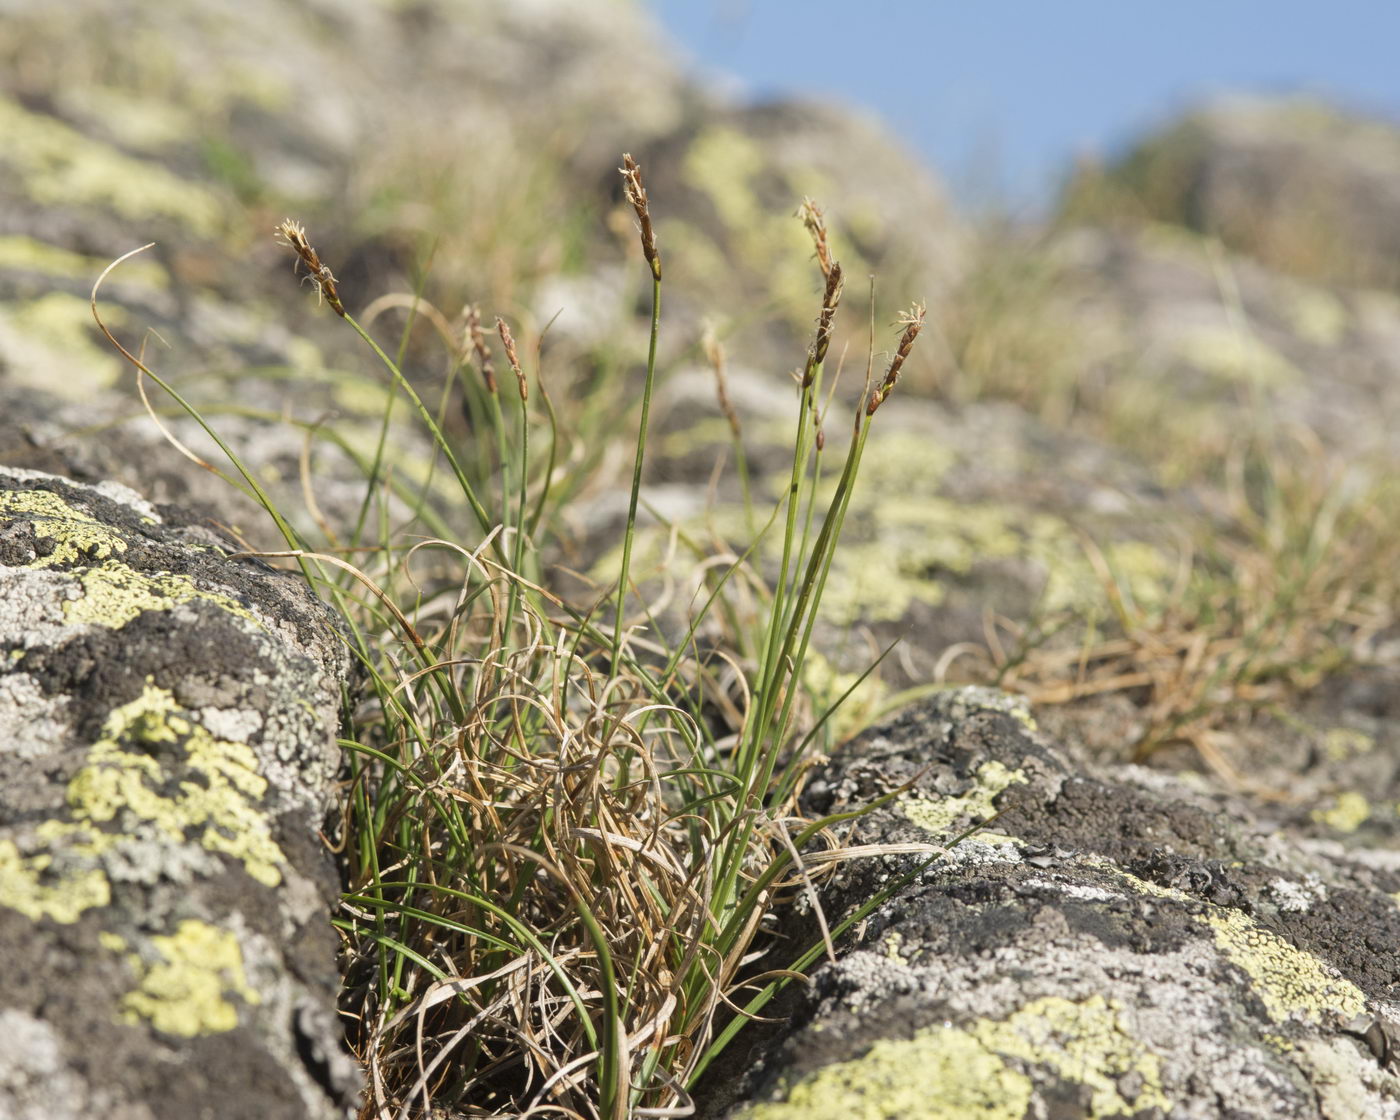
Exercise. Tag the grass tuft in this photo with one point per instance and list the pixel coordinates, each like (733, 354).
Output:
(566, 835)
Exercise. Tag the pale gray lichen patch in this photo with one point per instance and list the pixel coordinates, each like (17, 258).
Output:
(36, 719)
(1296, 898)
(37, 1078)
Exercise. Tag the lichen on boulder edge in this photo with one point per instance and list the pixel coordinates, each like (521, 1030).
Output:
(168, 717)
(1113, 944)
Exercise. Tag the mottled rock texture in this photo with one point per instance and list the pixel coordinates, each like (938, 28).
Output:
(167, 726)
(1112, 944)
(1296, 182)
(1133, 943)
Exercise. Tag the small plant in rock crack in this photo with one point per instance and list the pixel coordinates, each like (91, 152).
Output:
(559, 878)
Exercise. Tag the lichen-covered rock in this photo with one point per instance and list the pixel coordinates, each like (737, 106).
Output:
(1186, 348)
(1126, 944)
(725, 186)
(198, 129)
(1300, 184)
(955, 515)
(167, 723)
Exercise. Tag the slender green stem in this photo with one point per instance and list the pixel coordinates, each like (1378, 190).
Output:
(469, 491)
(636, 475)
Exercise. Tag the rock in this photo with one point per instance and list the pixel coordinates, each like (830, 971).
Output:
(339, 115)
(959, 514)
(168, 721)
(725, 186)
(199, 130)
(1113, 943)
(1299, 184)
(1194, 348)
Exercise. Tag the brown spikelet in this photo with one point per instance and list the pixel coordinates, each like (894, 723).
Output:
(471, 315)
(637, 196)
(714, 351)
(508, 341)
(830, 299)
(815, 221)
(913, 323)
(293, 235)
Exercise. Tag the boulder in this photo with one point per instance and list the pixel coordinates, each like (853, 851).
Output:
(1300, 184)
(725, 186)
(1186, 348)
(167, 719)
(1120, 943)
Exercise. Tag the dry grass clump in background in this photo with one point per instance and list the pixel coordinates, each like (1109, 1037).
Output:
(562, 865)
(1289, 577)
(1297, 578)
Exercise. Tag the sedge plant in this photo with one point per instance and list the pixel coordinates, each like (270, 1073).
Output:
(560, 871)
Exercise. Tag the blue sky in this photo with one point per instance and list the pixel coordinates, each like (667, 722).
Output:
(999, 95)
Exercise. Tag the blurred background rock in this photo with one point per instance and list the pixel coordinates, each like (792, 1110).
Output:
(1142, 467)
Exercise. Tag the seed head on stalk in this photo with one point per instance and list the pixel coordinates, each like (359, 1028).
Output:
(913, 322)
(637, 196)
(293, 235)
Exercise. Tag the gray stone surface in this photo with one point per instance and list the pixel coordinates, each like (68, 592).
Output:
(1119, 944)
(167, 726)
(1297, 182)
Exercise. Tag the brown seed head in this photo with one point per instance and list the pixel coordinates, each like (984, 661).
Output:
(471, 317)
(830, 299)
(637, 196)
(913, 323)
(508, 341)
(714, 350)
(815, 221)
(293, 235)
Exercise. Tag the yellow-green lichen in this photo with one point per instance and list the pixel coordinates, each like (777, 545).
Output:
(938, 815)
(112, 942)
(827, 684)
(945, 1073)
(59, 166)
(1290, 982)
(35, 888)
(78, 536)
(124, 781)
(977, 699)
(904, 540)
(726, 166)
(893, 940)
(1342, 743)
(905, 544)
(185, 993)
(939, 1074)
(1236, 356)
(1318, 316)
(114, 594)
(1084, 1042)
(217, 803)
(57, 326)
(723, 163)
(28, 254)
(136, 120)
(1348, 812)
